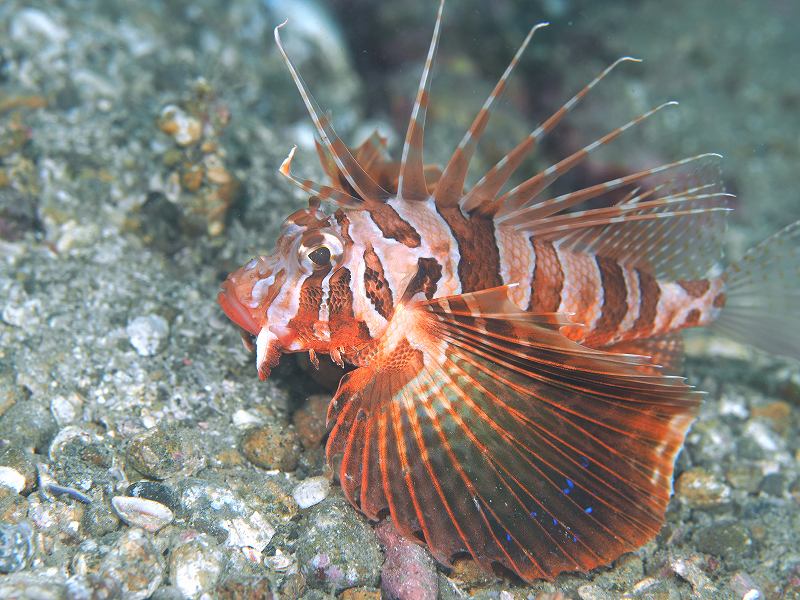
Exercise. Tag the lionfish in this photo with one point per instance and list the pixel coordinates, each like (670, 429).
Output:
(513, 393)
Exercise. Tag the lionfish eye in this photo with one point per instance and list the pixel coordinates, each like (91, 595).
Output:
(320, 256)
(320, 250)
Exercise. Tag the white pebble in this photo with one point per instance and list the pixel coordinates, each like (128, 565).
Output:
(32, 23)
(12, 478)
(311, 491)
(141, 512)
(148, 334)
(243, 419)
(66, 409)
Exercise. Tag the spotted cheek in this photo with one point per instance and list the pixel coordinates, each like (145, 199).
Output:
(309, 329)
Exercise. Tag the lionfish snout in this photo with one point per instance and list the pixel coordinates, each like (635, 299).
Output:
(242, 294)
(245, 297)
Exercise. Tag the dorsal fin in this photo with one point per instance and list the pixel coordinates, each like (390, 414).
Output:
(324, 192)
(356, 176)
(671, 230)
(411, 184)
(525, 192)
(450, 189)
(483, 193)
(527, 214)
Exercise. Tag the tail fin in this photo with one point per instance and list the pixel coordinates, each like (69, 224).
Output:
(763, 295)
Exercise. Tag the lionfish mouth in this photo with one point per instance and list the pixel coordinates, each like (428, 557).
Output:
(268, 348)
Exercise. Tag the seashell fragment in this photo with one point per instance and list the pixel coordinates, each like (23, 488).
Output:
(140, 512)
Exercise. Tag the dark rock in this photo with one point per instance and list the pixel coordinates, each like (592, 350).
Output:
(154, 490)
(98, 520)
(773, 484)
(336, 548)
(28, 424)
(165, 451)
(725, 540)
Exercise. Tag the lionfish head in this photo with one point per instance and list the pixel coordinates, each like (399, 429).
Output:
(282, 299)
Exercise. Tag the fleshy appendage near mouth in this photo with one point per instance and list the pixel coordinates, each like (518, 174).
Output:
(268, 352)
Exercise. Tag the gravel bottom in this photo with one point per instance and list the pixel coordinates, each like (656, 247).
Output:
(139, 455)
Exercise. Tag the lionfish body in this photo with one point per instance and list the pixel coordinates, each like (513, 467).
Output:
(514, 396)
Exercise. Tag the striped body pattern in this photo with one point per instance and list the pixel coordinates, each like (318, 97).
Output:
(515, 394)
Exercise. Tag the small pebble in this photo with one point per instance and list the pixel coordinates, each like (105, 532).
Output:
(253, 531)
(271, 447)
(29, 24)
(11, 478)
(135, 564)
(764, 436)
(140, 512)
(773, 484)
(743, 586)
(98, 520)
(724, 540)
(148, 334)
(14, 462)
(777, 413)
(66, 409)
(244, 587)
(184, 129)
(164, 451)
(311, 491)
(195, 567)
(309, 420)
(243, 419)
(24, 586)
(700, 489)
(15, 547)
(744, 476)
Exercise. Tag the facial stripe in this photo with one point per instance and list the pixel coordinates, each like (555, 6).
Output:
(479, 262)
(392, 225)
(548, 278)
(615, 303)
(425, 280)
(649, 295)
(375, 284)
(344, 227)
(324, 314)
